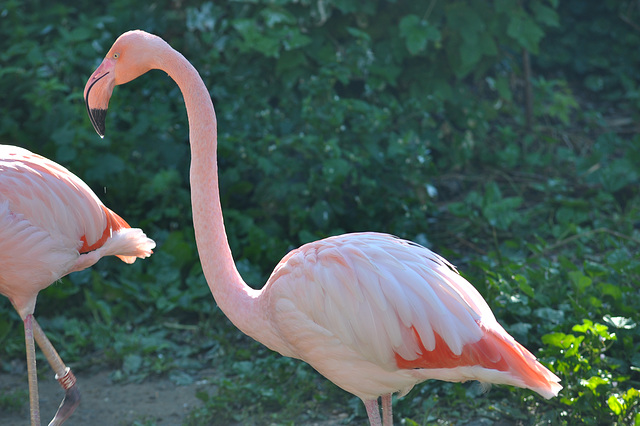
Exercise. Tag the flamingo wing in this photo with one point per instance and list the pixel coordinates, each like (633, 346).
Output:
(389, 308)
(53, 198)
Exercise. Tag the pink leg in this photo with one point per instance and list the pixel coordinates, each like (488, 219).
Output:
(373, 412)
(387, 413)
(64, 375)
(34, 401)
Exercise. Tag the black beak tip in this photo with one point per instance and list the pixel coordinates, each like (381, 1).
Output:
(98, 117)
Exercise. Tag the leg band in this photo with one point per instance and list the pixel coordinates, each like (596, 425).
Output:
(68, 380)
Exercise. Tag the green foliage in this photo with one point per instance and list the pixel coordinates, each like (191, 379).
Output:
(596, 385)
(400, 117)
(605, 31)
(556, 100)
(13, 400)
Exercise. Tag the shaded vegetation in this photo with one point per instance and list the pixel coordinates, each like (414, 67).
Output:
(400, 117)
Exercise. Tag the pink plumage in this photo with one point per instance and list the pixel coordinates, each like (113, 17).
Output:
(52, 224)
(371, 312)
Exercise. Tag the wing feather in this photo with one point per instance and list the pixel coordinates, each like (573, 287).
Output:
(52, 197)
(372, 290)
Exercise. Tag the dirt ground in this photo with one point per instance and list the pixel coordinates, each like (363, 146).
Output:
(157, 401)
(105, 403)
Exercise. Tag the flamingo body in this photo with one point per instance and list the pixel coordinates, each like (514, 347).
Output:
(371, 312)
(376, 314)
(52, 224)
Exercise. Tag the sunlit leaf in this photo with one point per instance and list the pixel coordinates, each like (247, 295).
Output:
(615, 404)
(593, 382)
(619, 322)
(560, 340)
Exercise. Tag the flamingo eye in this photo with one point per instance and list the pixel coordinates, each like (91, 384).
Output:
(116, 55)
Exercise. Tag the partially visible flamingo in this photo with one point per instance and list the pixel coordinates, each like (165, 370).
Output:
(371, 312)
(52, 224)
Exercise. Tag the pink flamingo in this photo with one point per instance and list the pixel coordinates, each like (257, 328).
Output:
(52, 224)
(371, 312)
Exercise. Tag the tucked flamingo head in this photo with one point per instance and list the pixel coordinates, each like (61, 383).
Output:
(133, 54)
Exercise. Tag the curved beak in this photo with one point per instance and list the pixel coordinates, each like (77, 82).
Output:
(97, 93)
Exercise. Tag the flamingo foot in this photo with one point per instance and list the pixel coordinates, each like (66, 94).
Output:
(71, 398)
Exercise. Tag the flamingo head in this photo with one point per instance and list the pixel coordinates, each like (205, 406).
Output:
(133, 54)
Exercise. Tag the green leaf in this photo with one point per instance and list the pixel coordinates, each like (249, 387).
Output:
(524, 285)
(295, 40)
(615, 404)
(603, 331)
(255, 39)
(417, 33)
(503, 86)
(607, 289)
(525, 31)
(579, 280)
(131, 363)
(520, 328)
(559, 340)
(593, 382)
(499, 212)
(631, 394)
(273, 17)
(582, 328)
(363, 35)
(202, 395)
(595, 302)
(550, 314)
(545, 14)
(290, 60)
(595, 328)
(336, 169)
(470, 54)
(459, 209)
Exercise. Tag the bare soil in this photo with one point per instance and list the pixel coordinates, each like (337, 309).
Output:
(156, 400)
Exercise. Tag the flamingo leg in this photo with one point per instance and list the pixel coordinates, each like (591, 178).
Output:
(387, 410)
(64, 375)
(373, 412)
(34, 401)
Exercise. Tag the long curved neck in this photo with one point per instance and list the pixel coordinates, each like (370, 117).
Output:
(233, 296)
